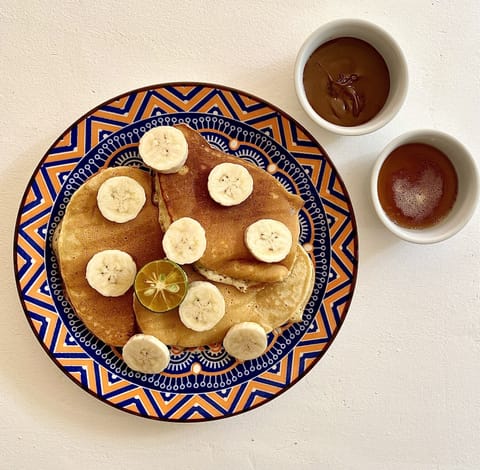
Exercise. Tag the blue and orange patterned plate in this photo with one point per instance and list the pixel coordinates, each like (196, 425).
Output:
(204, 383)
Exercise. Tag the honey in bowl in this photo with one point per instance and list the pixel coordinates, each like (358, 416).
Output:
(417, 186)
(346, 81)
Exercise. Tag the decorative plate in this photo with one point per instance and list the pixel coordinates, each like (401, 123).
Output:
(204, 383)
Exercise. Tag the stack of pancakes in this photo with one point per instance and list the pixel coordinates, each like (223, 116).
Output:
(271, 294)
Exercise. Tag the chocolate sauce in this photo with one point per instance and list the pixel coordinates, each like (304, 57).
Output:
(346, 81)
(417, 185)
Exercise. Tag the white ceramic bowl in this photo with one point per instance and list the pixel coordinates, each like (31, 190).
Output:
(468, 186)
(383, 43)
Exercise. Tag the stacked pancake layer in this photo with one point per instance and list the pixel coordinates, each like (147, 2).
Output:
(83, 232)
(269, 294)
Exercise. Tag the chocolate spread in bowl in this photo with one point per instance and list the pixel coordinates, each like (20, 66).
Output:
(346, 81)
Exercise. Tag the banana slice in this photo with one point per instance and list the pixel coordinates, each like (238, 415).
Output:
(184, 242)
(203, 306)
(268, 240)
(229, 184)
(120, 198)
(111, 272)
(164, 148)
(146, 354)
(245, 341)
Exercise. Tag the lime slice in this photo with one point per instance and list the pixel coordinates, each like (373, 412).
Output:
(160, 285)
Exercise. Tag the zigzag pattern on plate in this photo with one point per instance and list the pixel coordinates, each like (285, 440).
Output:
(181, 407)
(339, 253)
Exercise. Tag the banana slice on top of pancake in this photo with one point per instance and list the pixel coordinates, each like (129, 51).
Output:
(163, 148)
(203, 306)
(111, 272)
(268, 240)
(184, 242)
(245, 341)
(145, 353)
(229, 184)
(120, 198)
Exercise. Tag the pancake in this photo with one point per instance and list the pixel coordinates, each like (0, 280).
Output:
(272, 306)
(185, 194)
(83, 232)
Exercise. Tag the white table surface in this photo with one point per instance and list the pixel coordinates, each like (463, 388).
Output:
(400, 386)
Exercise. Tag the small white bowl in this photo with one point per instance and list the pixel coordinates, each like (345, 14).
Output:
(384, 44)
(468, 186)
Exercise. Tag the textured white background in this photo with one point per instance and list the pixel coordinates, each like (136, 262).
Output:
(400, 386)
